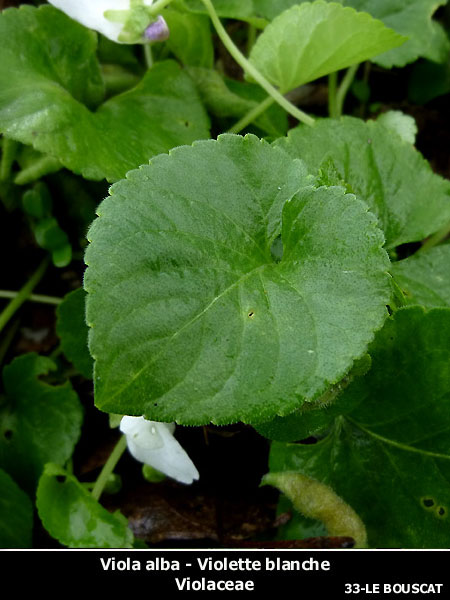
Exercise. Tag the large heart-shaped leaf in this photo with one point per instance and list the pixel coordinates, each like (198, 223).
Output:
(49, 82)
(412, 18)
(199, 315)
(388, 453)
(314, 39)
(410, 200)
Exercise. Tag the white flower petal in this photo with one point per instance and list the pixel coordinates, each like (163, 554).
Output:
(90, 13)
(152, 443)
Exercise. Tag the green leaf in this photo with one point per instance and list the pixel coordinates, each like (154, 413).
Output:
(411, 202)
(46, 64)
(403, 125)
(196, 318)
(243, 10)
(428, 81)
(227, 98)
(425, 278)
(16, 514)
(71, 515)
(190, 38)
(37, 202)
(315, 39)
(38, 422)
(41, 44)
(73, 331)
(312, 418)
(411, 18)
(388, 453)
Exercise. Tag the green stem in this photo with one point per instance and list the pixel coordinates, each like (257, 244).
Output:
(117, 79)
(56, 352)
(148, 55)
(32, 297)
(9, 151)
(253, 71)
(23, 294)
(251, 38)
(252, 114)
(435, 239)
(332, 91)
(43, 166)
(344, 87)
(109, 467)
(366, 74)
(8, 338)
(157, 6)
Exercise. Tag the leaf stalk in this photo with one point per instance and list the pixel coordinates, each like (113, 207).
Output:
(109, 467)
(23, 294)
(252, 70)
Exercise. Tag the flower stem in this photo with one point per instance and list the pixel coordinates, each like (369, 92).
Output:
(32, 297)
(148, 55)
(7, 339)
(9, 150)
(23, 294)
(109, 467)
(252, 70)
(344, 87)
(435, 239)
(252, 114)
(157, 6)
(332, 91)
(251, 37)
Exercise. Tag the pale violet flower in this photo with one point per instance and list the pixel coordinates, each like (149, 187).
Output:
(123, 21)
(153, 443)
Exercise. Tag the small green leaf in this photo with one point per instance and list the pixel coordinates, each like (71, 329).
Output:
(37, 201)
(425, 278)
(397, 183)
(47, 67)
(403, 125)
(194, 319)
(73, 331)
(71, 515)
(38, 422)
(315, 39)
(62, 256)
(16, 514)
(49, 235)
(152, 475)
(388, 453)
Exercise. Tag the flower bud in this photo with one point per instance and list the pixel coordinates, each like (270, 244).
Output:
(158, 31)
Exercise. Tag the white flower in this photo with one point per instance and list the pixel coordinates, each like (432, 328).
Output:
(153, 443)
(123, 21)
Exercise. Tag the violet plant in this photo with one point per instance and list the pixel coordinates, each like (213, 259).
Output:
(294, 279)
